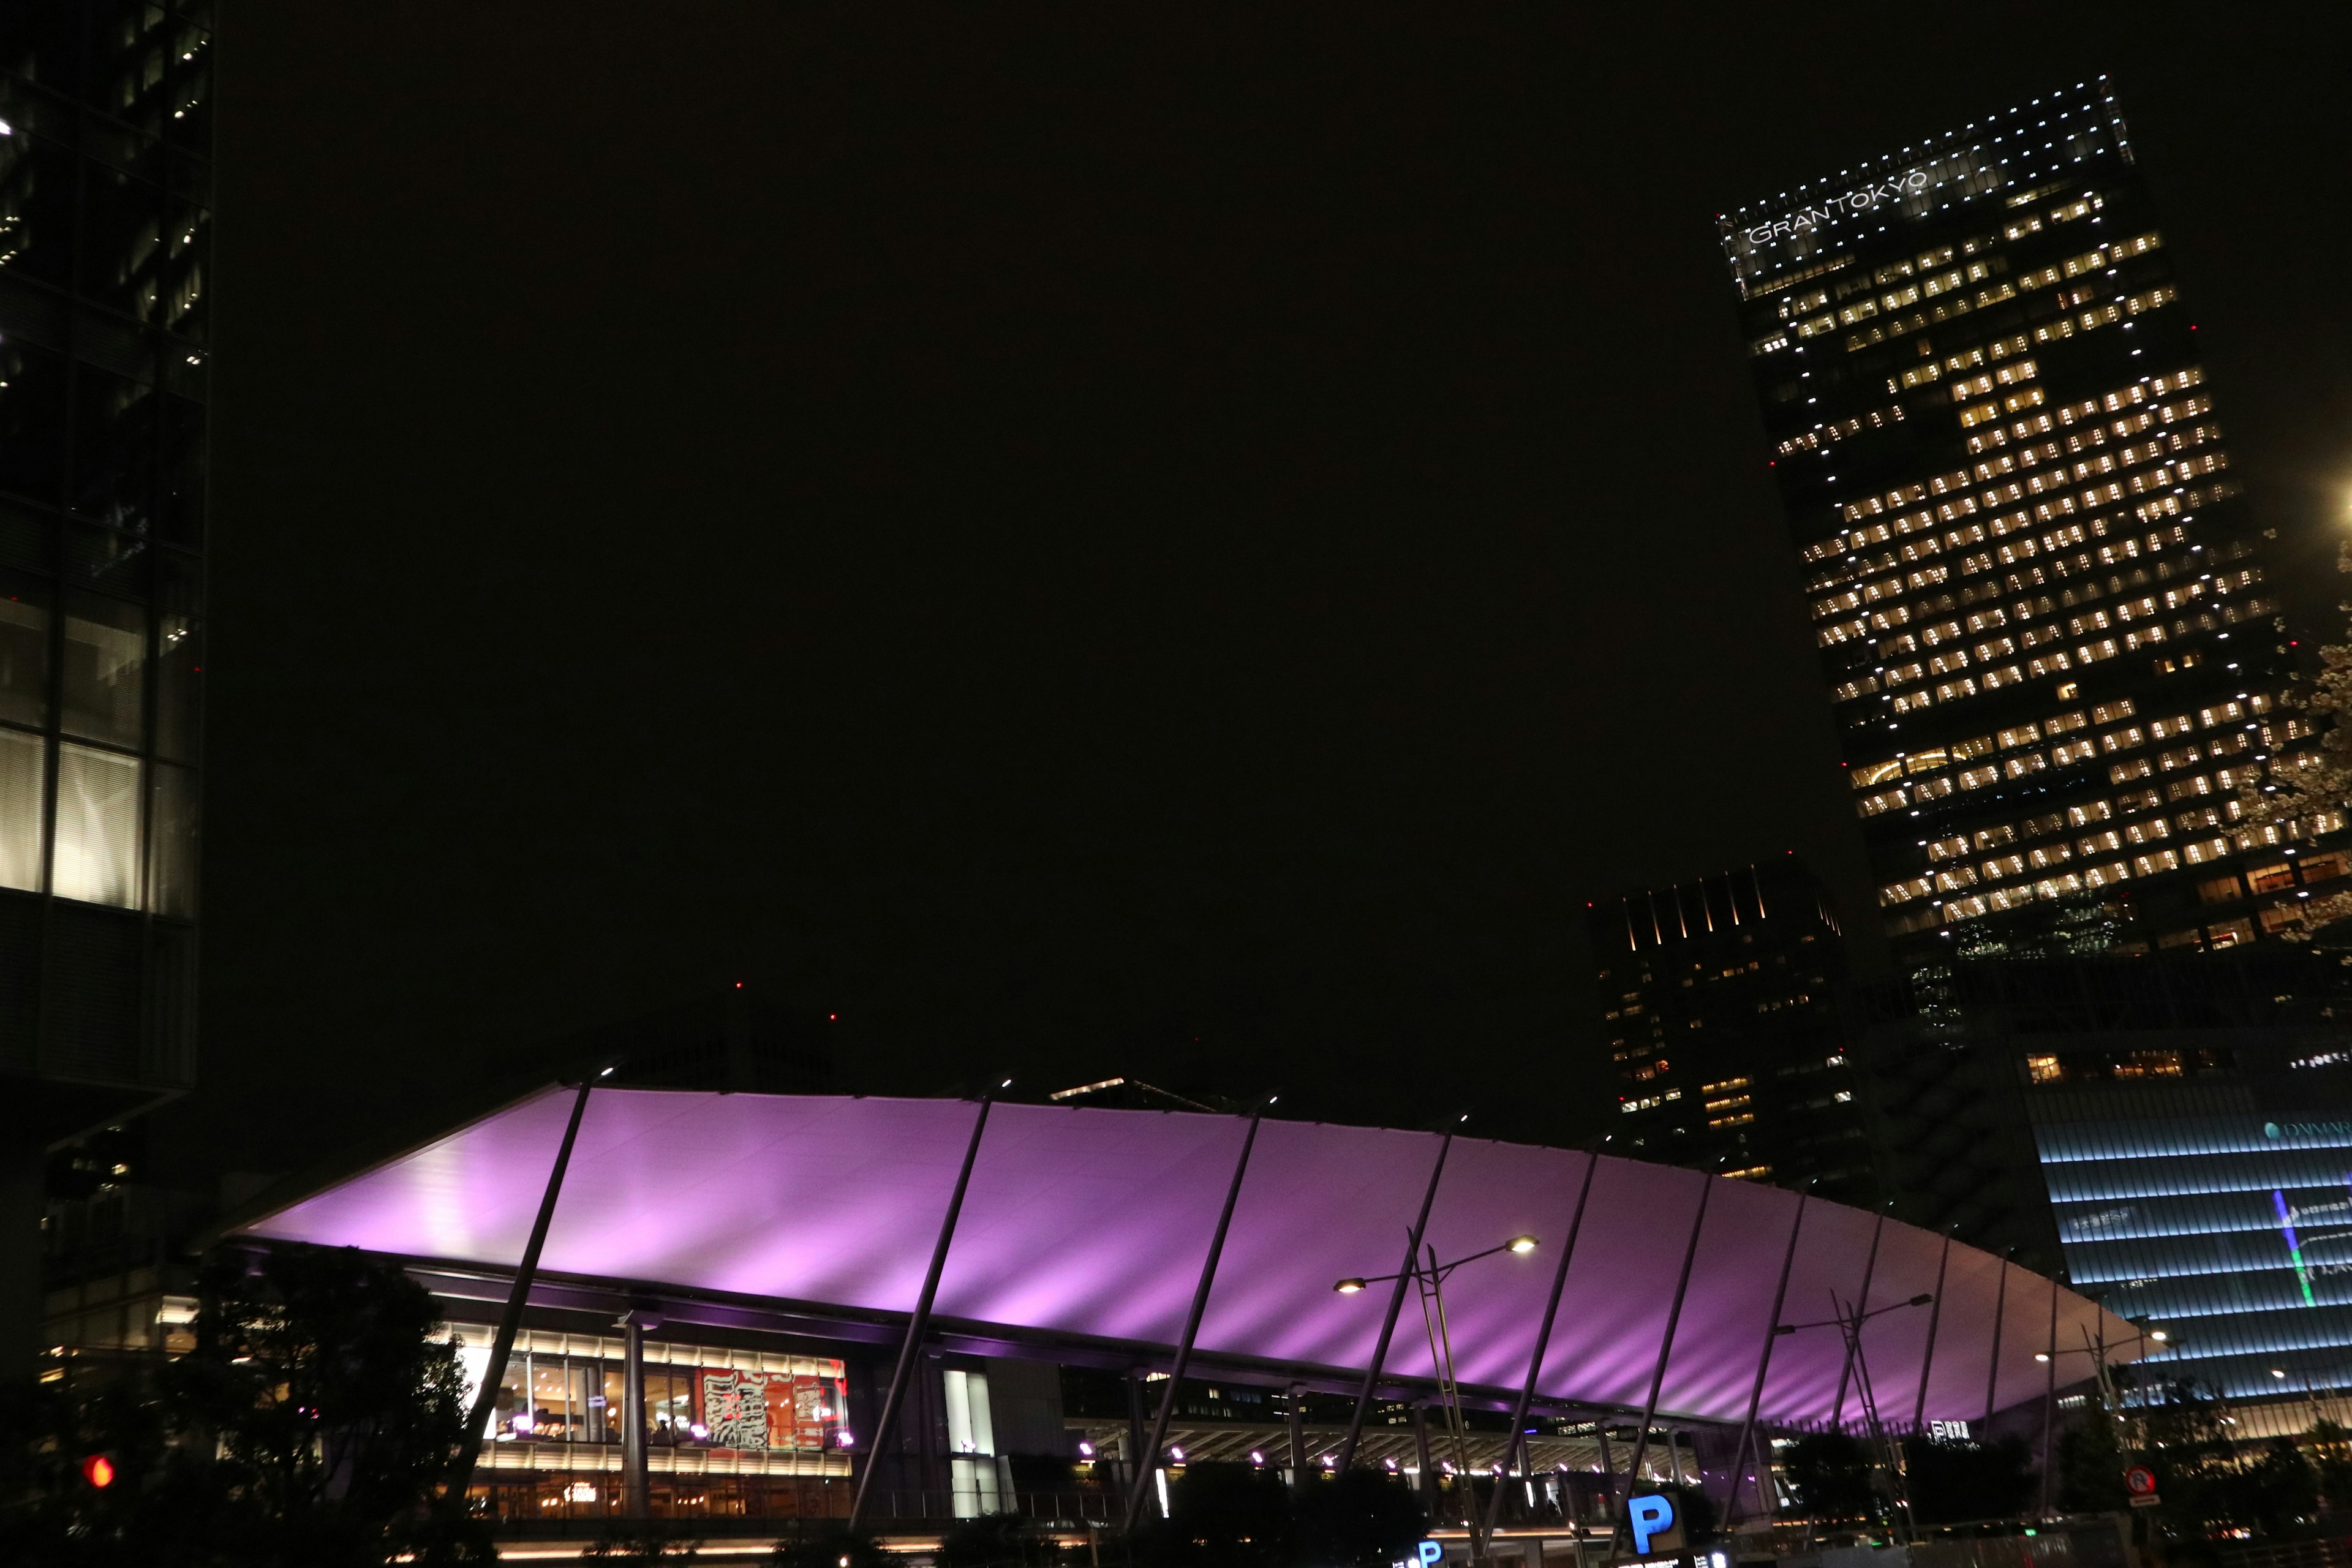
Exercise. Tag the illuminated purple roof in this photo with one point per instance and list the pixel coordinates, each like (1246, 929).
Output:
(1093, 1223)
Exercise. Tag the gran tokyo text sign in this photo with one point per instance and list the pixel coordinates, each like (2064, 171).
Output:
(1821, 210)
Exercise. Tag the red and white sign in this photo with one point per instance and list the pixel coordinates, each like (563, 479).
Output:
(2140, 1481)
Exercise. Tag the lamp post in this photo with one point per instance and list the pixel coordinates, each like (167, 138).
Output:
(1428, 1279)
(1849, 1323)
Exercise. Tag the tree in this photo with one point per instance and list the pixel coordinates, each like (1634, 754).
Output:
(1363, 1519)
(997, 1541)
(829, 1547)
(1953, 1482)
(2312, 797)
(1830, 1473)
(2091, 1465)
(1222, 1514)
(2331, 1454)
(313, 1423)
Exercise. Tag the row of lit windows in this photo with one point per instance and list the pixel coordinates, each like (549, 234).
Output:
(1958, 364)
(1950, 877)
(2153, 863)
(2056, 662)
(2166, 474)
(1878, 624)
(1890, 616)
(1904, 495)
(2146, 608)
(2126, 739)
(1951, 310)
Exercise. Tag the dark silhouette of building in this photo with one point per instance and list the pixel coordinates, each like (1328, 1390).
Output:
(1719, 1008)
(105, 229)
(2042, 609)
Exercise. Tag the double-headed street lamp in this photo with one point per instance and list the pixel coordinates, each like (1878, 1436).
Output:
(1429, 1280)
(1849, 1323)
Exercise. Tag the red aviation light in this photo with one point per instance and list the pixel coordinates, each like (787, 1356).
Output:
(99, 1471)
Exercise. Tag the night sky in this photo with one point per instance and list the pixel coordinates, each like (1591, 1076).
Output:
(1186, 545)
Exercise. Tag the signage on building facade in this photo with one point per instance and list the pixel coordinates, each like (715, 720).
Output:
(1657, 1525)
(1814, 214)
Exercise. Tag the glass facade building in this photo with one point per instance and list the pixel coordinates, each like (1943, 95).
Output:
(2188, 1121)
(105, 231)
(2040, 607)
(1719, 1003)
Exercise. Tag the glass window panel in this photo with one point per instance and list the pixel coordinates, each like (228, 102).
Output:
(24, 650)
(179, 660)
(22, 760)
(181, 463)
(172, 843)
(97, 827)
(114, 448)
(32, 420)
(105, 664)
(36, 206)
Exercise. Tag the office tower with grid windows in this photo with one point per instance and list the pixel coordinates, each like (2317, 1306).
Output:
(1719, 1010)
(105, 139)
(2041, 608)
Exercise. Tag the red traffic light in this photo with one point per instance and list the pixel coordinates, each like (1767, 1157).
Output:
(99, 1471)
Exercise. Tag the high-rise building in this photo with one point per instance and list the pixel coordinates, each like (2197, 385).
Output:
(1719, 1011)
(2171, 1133)
(2041, 608)
(105, 223)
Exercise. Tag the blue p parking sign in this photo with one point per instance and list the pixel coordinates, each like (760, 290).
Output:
(1655, 1522)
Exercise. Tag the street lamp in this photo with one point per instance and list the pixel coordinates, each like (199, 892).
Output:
(1429, 1281)
(1849, 1323)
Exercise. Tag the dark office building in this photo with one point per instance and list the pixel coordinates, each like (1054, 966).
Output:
(2041, 609)
(1719, 1009)
(105, 132)
(2172, 1132)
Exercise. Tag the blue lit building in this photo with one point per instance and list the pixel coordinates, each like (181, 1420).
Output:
(2185, 1122)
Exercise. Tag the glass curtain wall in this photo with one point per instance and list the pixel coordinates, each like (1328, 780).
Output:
(105, 223)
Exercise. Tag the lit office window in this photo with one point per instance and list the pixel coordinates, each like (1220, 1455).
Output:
(105, 666)
(23, 651)
(21, 766)
(97, 855)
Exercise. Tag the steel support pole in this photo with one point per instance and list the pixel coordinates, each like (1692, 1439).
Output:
(1421, 1452)
(1192, 1324)
(635, 1503)
(1608, 1476)
(1543, 1340)
(486, 1400)
(886, 1425)
(1396, 1304)
(2050, 1399)
(1992, 1368)
(1861, 1304)
(1134, 1423)
(1927, 1356)
(1764, 1356)
(1666, 1341)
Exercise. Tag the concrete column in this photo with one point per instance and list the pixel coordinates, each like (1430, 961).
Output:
(1298, 1436)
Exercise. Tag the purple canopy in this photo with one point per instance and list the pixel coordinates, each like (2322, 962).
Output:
(1093, 1223)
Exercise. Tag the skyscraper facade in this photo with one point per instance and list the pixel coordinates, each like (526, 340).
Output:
(2171, 1133)
(105, 230)
(2041, 608)
(1719, 1010)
